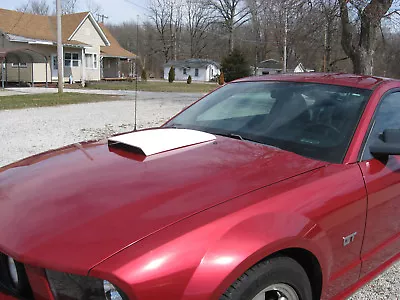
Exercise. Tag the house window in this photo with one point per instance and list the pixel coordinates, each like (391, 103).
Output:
(91, 61)
(184, 71)
(21, 65)
(71, 59)
(196, 72)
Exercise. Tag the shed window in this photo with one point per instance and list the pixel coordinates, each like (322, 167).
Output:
(21, 65)
(184, 71)
(196, 72)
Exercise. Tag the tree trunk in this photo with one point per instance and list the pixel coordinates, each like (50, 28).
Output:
(363, 63)
(361, 53)
(231, 40)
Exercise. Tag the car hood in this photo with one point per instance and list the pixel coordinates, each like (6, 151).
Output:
(70, 209)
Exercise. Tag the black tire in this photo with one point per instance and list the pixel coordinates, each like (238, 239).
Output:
(269, 272)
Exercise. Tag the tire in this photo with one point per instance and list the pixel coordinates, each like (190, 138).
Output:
(277, 274)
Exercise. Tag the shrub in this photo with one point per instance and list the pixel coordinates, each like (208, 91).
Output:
(144, 75)
(171, 74)
(235, 66)
(221, 78)
(189, 80)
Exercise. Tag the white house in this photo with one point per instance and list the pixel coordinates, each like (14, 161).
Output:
(28, 49)
(198, 69)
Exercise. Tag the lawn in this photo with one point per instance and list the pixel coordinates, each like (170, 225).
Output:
(41, 100)
(155, 86)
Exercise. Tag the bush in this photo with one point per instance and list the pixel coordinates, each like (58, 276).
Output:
(189, 80)
(144, 75)
(221, 78)
(171, 75)
(235, 66)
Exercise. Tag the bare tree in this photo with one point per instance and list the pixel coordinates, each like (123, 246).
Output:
(93, 7)
(360, 46)
(232, 14)
(198, 20)
(167, 18)
(68, 6)
(37, 7)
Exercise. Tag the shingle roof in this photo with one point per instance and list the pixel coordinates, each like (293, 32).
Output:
(192, 63)
(45, 28)
(115, 49)
(37, 26)
(270, 64)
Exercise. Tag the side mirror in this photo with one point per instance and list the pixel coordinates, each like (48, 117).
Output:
(388, 144)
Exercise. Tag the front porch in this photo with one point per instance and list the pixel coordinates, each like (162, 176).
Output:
(113, 68)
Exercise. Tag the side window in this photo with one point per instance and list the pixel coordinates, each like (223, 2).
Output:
(387, 117)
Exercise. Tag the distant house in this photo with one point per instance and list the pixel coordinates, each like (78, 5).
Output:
(28, 48)
(272, 66)
(199, 69)
(269, 67)
(301, 69)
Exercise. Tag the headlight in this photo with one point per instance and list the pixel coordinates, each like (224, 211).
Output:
(67, 286)
(12, 268)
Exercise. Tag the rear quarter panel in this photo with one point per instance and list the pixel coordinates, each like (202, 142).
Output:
(201, 256)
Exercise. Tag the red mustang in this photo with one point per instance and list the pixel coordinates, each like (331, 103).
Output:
(271, 188)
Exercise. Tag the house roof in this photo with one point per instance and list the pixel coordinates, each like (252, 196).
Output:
(38, 26)
(192, 63)
(115, 49)
(44, 28)
(270, 64)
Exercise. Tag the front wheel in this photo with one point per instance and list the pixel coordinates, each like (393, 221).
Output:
(278, 278)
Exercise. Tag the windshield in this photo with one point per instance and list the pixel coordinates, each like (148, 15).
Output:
(313, 120)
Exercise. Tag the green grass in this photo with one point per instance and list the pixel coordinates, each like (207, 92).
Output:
(42, 100)
(155, 86)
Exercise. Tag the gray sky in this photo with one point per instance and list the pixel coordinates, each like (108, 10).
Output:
(116, 10)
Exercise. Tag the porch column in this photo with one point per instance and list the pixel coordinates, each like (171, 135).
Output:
(19, 74)
(6, 72)
(83, 79)
(3, 68)
(47, 66)
(33, 81)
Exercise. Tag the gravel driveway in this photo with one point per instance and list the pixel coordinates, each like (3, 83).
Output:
(30, 131)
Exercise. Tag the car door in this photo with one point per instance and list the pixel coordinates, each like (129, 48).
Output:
(382, 179)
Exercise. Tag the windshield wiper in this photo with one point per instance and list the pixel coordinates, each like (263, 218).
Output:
(233, 136)
(174, 125)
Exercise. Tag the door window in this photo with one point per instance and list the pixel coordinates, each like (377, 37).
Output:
(387, 117)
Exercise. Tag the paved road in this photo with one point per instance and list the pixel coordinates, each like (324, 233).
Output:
(29, 131)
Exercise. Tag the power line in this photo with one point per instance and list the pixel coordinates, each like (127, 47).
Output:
(137, 5)
(22, 14)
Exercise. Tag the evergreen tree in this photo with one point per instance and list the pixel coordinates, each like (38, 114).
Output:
(171, 74)
(235, 66)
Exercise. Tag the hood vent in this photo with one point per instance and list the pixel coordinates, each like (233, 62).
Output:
(150, 142)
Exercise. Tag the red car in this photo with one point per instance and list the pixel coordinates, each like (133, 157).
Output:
(279, 187)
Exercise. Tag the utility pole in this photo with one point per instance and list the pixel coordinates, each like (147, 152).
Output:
(101, 17)
(136, 71)
(285, 41)
(60, 52)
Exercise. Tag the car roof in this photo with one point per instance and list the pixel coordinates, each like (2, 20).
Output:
(351, 80)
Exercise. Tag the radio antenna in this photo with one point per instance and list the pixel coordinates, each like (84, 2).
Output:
(136, 71)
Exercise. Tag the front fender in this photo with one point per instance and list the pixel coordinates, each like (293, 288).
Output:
(249, 242)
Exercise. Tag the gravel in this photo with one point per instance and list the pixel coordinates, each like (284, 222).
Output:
(30, 131)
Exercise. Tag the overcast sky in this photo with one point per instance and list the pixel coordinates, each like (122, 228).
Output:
(117, 10)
